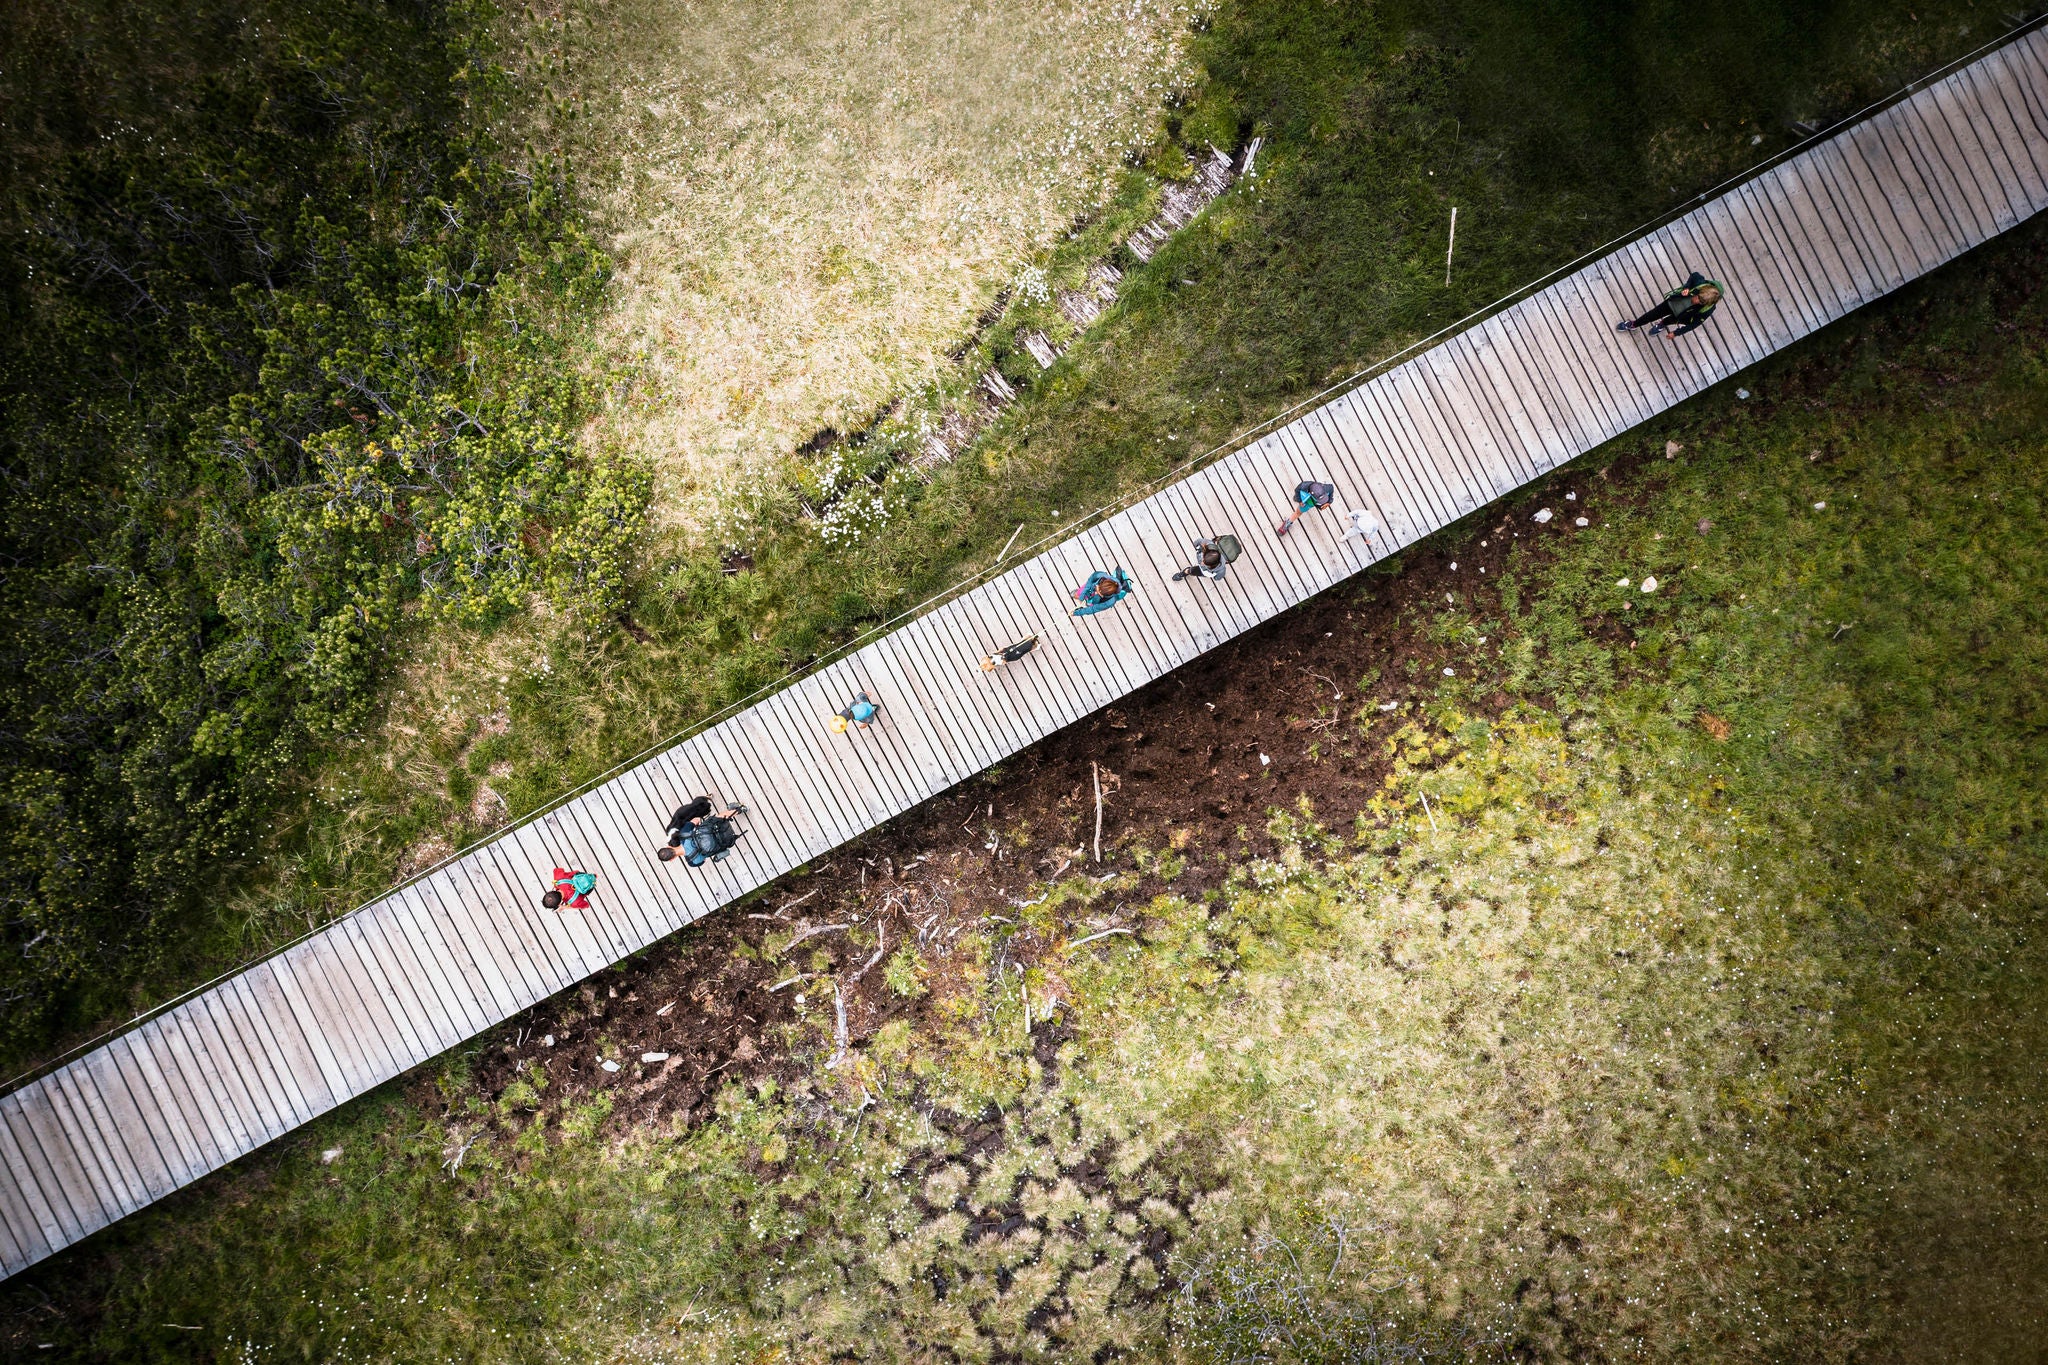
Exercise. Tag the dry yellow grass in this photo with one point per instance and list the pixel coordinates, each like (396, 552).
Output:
(810, 200)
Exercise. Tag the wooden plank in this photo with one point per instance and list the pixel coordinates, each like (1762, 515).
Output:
(1843, 218)
(1264, 486)
(469, 948)
(351, 1022)
(1407, 502)
(1508, 407)
(1850, 270)
(1445, 380)
(52, 1222)
(186, 1036)
(1871, 215)
(618, 831)
(1937, 165)
(1917, 235)
(954, 666)
(262, 1024)
(778, 831)
(1416, 419)
(142, 1124)
(540, 934)
(72, 1121)
(2005, 120)
(559, 843)
(2023, 100)
(25, 1241)
(524, 864)
(437, 964)
(196, 1119)
(57, 1158)
(1977, 157)
(1606, 410)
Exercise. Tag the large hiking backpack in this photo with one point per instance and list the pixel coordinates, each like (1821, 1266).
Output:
(712, 839)
(1230, 547)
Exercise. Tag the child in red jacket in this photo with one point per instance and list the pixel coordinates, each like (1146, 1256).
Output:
(571, 886)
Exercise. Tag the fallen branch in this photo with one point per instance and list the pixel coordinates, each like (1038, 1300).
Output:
(838, 1027)
(1092, 937)
(800, 976)
(454, 1163)
(1427, 811)
(810, 933)
(1095, 769)
(881, 946)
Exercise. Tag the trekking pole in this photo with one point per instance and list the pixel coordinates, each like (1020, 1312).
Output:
(1453, 246)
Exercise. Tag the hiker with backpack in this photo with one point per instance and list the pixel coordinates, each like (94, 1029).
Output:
(707, 839)
(571, 885)
(1683, 309)
(861, 712)
(1308, 496)
(1103, 590)
(1008, 654)
(1213, 556)
(689, 820)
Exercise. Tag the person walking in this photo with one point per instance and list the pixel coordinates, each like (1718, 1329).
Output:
(1361, 523)
(1103, 590)
(1308, 496)
(1008, 654)
(689, 817)
(1213, 556)
(708, 840)
(572, 886)
(860, 712)
(1683, 309)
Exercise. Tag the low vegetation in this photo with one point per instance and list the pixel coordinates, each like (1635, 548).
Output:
(1690, 1017)
(810, 201)
(289, 361)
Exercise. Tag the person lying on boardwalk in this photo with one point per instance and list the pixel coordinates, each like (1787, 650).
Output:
(1212, 558)
(1308, 496)
(860, 712)
(1008, 654)
(706, 841)
(572, 886)
(689, 815)
(1103, 590)
(1683, 309)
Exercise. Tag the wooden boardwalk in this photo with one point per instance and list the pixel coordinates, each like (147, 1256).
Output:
(226, 1070)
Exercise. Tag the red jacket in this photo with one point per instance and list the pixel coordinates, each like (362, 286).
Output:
(571, 897)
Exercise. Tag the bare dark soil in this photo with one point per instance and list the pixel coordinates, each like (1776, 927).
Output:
(1182, 755)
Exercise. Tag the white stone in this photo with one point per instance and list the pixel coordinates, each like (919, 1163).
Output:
(1649, 585)
(609, 1065)
(1542, 514)
(650, 1058)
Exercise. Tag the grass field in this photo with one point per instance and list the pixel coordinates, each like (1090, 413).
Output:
(1693, 1020)
(810, 200)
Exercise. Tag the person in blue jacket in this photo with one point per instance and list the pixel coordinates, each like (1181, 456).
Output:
(1103, 590)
